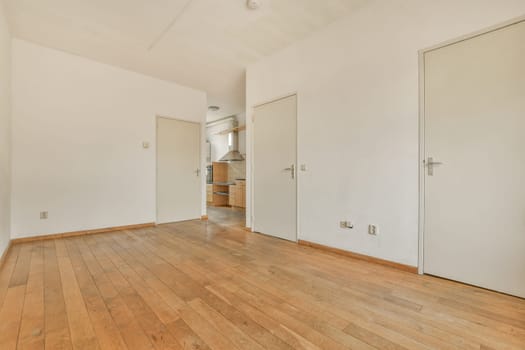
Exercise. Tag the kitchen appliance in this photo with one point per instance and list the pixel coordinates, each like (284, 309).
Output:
(233, 154)
(209, 174)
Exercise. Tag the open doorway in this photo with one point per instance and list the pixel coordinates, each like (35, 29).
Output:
(226, 170)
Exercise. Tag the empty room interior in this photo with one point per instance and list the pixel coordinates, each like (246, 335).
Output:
(262, 174)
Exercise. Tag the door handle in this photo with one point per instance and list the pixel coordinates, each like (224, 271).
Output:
(197, 172)
(291, 169)
(430, 163)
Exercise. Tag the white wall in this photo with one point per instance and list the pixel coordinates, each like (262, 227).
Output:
(78, 128)
(357, 85)
(5, 130)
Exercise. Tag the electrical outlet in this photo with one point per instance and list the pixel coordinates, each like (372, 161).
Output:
(372, 230)
(43, 215)
(346, 224)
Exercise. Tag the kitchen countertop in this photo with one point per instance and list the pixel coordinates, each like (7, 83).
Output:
(218, 183)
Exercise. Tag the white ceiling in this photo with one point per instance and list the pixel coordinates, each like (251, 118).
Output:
(204, 44)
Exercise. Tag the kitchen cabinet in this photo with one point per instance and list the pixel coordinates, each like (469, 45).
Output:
(209, 193)
(237, 193)
(220, 186)
(223, 192)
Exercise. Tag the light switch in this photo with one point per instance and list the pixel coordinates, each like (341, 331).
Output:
(303, 167)
(145, 144)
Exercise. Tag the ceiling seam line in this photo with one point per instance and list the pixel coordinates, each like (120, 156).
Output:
(169, 26)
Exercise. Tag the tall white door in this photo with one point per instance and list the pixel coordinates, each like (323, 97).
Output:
(475, 127)
(274, 169)
(178, 173)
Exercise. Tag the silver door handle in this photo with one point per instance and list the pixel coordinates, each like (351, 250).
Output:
(429, 163)
(291, 169)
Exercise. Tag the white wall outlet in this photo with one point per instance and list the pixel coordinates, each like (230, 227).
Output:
(145, 144)
(43, 215)
(372, 230)
(346, 224)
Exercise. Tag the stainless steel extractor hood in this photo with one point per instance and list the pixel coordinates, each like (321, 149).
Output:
(233, 154)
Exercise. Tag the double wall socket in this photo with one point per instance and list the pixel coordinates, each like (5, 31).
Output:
(372, 229)
(346, 224)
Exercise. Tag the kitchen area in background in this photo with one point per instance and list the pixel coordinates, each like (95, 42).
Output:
(226, 167)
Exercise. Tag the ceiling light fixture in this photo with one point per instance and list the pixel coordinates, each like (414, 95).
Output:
(213, 108)
(253, 4)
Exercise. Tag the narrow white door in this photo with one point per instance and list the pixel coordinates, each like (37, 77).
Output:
(274, 169)
(178, 173)
(474, 126)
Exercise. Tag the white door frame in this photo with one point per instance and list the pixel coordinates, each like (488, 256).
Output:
(421, 214)
(297, 171)
(157, 117)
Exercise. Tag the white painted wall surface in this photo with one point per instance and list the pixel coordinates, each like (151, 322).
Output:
(78, 128)
(357, 85)
(5, 130)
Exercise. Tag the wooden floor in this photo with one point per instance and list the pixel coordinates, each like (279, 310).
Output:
(205, 285)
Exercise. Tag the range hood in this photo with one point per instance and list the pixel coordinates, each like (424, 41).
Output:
(233, 154)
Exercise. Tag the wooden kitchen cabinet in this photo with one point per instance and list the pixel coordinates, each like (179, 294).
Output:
(220, 184)
(238, 194)
(209, 193)
(232, 201)
(224, 193)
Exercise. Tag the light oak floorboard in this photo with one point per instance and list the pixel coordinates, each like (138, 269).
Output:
(213, 285)
(32, 326)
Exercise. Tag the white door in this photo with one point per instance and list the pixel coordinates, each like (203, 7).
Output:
(274, 169)
(178, 173)
(475, 125)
